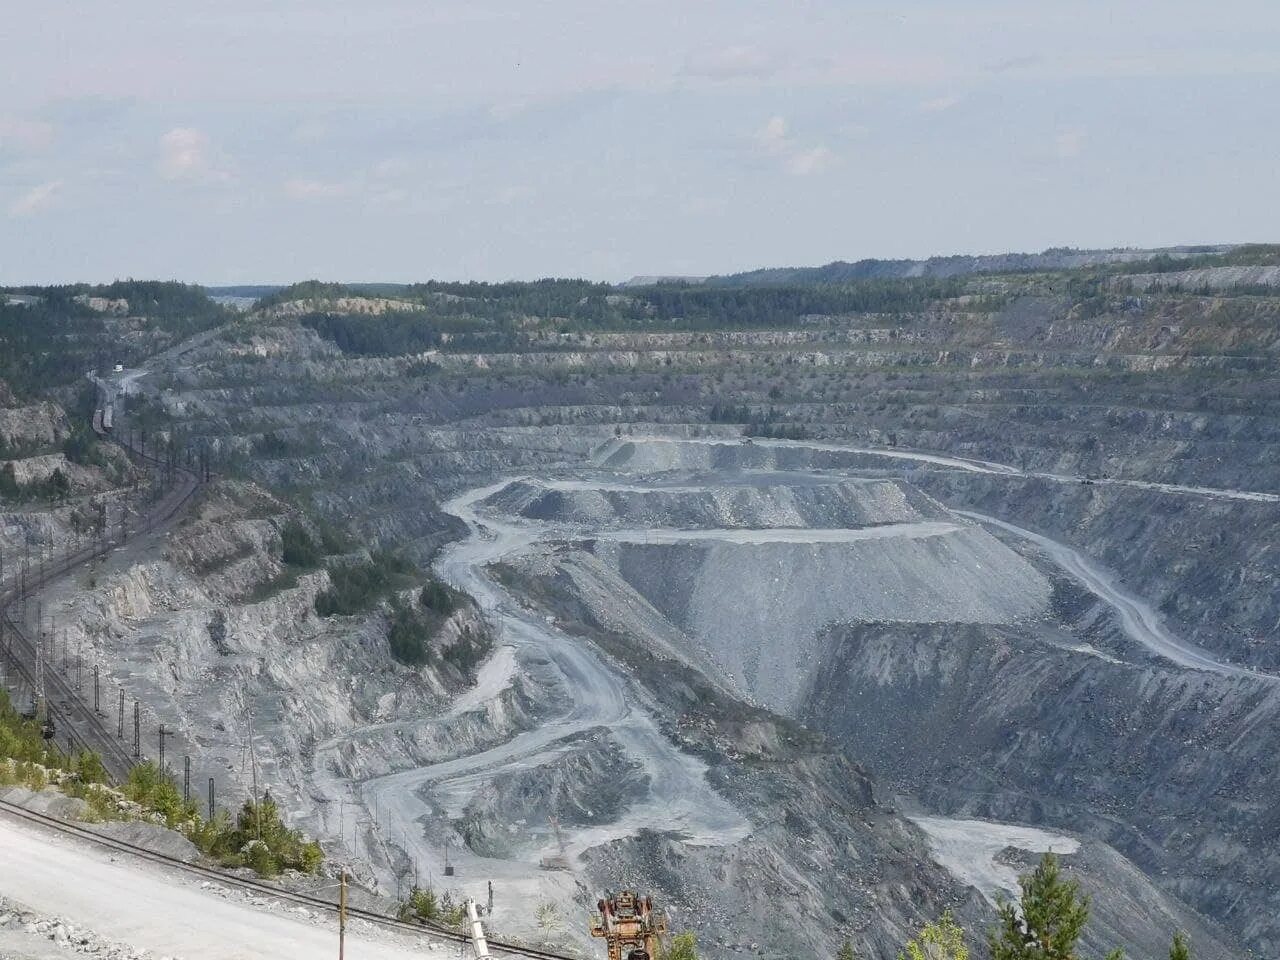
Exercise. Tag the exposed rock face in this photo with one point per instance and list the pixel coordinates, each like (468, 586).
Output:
(35, 425)
(995, 723)
(372, 306)
(118, 306)
(1206, 563)
(1214, 278)
(222, 647)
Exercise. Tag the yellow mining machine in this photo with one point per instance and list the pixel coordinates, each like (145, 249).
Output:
(629, 926)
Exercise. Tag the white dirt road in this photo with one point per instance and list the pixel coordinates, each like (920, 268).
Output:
(167, 912)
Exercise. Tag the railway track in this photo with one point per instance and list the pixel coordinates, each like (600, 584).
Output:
(76, 723)
(416, 928)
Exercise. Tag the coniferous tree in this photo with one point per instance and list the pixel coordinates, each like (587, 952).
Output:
(846, 952)
(1181, 949)
(1049, 922)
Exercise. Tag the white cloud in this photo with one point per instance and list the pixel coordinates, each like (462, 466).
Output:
(391, 168)
(302, 188)
(35, 199)
(773, 135)
(775, 139)
(803, 163)
(1069, 143)
(185, 154)
(703, 206)
(731, 63)
(939, 104)
(511, 194)
(25, 136)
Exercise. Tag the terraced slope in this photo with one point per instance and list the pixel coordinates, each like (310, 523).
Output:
(833, 578)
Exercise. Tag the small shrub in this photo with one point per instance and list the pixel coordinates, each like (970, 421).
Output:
(260, 858)
(409, 636)
(356, 587)
(468, 650)
(298, 549)
(89, 768)
(424, 904)
(683, 946)
(34, 777)
(439, 597)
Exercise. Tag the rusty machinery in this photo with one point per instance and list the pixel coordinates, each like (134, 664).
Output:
(629, 926)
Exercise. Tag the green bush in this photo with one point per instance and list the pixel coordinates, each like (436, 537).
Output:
(259, 857)
(439, 597)
(89, 768)
(34, 776)
(356, 587)
(298, 548)
(332, 540)
(425, 905)
(55, 487)
(467, 652)
(20, 738)
(409, 635)
(683, 946)
(155, 792)
(258, 839)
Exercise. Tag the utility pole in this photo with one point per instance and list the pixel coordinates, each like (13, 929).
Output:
(39, 691)
(137, 730)
(120, 723)
(162, 734)
(253, 761)
(342, 914)
(186, 779)
(211, 798)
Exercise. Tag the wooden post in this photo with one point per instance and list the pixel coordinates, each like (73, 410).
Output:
(342, 914)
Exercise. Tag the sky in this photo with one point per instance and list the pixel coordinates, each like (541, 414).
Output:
(269, 141)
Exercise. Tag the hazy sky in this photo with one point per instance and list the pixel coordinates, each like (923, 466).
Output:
(236, 141)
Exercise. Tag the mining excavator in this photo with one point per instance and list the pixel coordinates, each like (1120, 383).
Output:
(629, 926)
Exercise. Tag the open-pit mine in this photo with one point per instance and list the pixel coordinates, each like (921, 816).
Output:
(813, 628)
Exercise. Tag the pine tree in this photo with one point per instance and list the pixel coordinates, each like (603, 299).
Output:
(846, 952)
(1181, 949)
(1050, 920)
